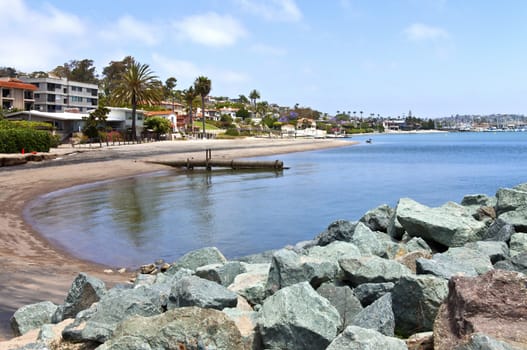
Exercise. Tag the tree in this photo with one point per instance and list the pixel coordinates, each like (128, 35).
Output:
(169, 91)
(243, 99)
(243, 114)
(254, 95)
(189, 96)
(159, 125)
(111, 75)
(138, 84)
(202, 85)
(82, 71)
(95, 123)
(8, 72)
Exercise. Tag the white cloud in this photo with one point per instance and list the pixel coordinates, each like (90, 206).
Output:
(273, 10)
(211, 29)
(268, 50)
(421, 32)
(38, 37)
(130, 29)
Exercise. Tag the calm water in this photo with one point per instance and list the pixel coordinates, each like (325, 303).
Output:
(164, 215)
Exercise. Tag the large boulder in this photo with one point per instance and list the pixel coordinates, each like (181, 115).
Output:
(368, 241)
(252, 284)
(500, 231)
(377, 316)
(509, 199)
(84, 291)
(415, 301)
(223, 274)
(367, 293)
(480, 341)
(410, 259)
(478, 200)
(372, 269)
(455, 261)
(417, 244)
(450, 225)
(32, 316)
(357, 338)
(518, 243)
(340, 230)
(343, 299)
(288, 268)
(378, 219)
(98, 322)
(182, 328)
(493, 304)
(334, 251)
(196, 291)
(297, 317)
(197, 258)
(247, 323)
(494, 250)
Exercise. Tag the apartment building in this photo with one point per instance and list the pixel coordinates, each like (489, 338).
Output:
(15, 94)
(61, 94)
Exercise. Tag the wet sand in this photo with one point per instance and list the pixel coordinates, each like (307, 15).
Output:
(32, 269)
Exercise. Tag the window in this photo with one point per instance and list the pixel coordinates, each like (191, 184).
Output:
(76, 99)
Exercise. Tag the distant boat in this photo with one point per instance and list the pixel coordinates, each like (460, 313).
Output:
(368, 141)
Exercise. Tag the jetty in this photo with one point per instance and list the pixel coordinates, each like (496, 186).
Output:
(235, 164)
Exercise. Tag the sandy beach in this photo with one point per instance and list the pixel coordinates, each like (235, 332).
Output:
(33, 270)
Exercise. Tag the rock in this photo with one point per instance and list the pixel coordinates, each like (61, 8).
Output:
(340, 230)
(288, 268)
(495, 250)
(421, 341)
(84, 291)
(32, 316)
(480, 341)
(417, 244)
(455, 261)
(343, 299)
(252, 284)
(478, 200)
(197, 258)
(367, 241)
(492, 304)
(395, 229)
(182, 328)
(196, 291)
(164, 267)
(499, 230)
(258, 258)
(145, 280)
(296, 317)
(357, 338)
(378, 219)
(450, 225)
(517, 263)
(223, 274)
(377, 316)
(367, 293)
(509, 199)
(415, 302)
(372, 269)
(148, 269)
(99, 321)
(409, 259)
(246, 322)
(518, 243)
(516, 218)
(334, 251)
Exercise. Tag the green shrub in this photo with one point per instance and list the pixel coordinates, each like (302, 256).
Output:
(17, 139)
(232, 132)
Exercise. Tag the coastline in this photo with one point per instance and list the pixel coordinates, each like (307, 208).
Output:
(33, 269)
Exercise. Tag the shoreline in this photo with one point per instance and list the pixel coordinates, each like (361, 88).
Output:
(36, 270)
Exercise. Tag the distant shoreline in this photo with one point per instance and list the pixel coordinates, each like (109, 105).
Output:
(34, 269)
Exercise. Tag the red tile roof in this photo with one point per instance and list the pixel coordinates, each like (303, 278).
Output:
(17, 84)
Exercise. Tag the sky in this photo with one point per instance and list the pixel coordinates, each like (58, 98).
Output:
(435, 58)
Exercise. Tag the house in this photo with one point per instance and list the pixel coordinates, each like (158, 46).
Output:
(393, 124)
(15, 94)
(67, 123)
(177, 120)
(61, 94)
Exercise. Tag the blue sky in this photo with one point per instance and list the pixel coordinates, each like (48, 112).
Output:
(433, 57)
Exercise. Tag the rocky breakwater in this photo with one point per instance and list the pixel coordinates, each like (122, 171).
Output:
(409, 277)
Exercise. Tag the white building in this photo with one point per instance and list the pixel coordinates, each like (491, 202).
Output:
(61, 95)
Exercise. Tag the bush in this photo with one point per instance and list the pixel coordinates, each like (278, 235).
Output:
(232, 132)
(18, 139)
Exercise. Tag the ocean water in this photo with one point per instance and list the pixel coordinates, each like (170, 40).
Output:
(166, 214)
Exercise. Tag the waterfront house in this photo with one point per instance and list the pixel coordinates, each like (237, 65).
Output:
(15, 94)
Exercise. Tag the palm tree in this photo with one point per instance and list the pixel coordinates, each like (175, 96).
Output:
(254, 95)
(138, 84)
(190, 95)
(202, 85)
